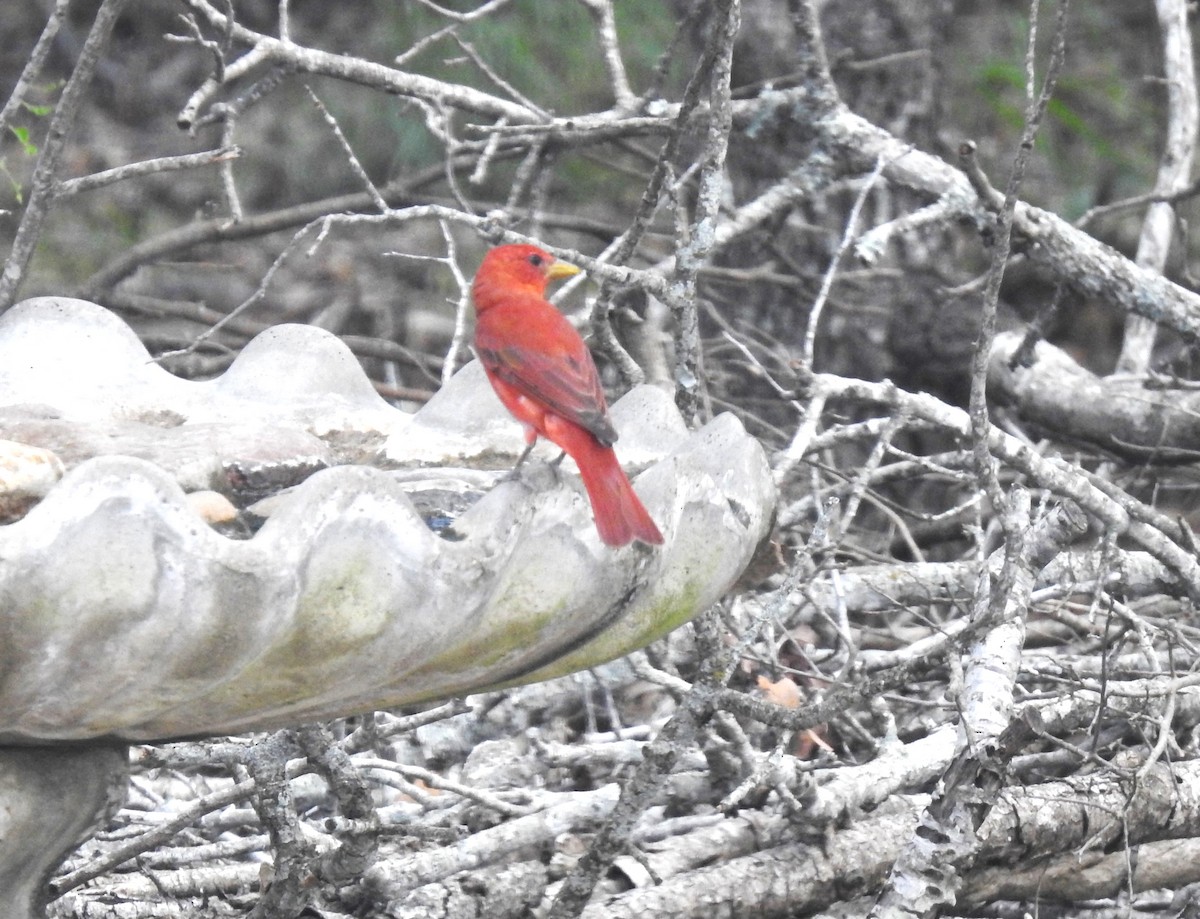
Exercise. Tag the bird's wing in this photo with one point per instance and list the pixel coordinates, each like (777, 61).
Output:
(563, 380)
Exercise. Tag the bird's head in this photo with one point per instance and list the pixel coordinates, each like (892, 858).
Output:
(514, 269)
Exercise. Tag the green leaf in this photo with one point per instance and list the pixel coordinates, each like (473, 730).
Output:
(22, 135)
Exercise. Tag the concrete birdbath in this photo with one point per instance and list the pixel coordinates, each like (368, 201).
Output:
(398, 566)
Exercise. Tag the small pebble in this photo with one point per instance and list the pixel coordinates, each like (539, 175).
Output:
(26, 475)
(212, 506)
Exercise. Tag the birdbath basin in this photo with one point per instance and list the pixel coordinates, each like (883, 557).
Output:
(398, 564)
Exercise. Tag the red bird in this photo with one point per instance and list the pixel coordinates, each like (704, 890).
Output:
(544, 374)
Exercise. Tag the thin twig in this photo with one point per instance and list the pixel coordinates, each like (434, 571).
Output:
(259, 293)
(355, 166)
(456, 18)
(1035, 110)
(848, 235)
(145, 167)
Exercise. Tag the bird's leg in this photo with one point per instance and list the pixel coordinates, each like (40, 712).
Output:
(524, 455)
(556, 465)
(530, 443)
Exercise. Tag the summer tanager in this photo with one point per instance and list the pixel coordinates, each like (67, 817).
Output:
(544, 374)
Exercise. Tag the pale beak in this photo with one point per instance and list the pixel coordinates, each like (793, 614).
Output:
(559, 269)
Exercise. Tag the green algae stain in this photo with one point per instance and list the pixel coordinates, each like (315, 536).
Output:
(490, 649)
(339, 614)
(518, 617)
(625, 636)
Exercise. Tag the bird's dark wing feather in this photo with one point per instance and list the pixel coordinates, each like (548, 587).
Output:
(566, 384)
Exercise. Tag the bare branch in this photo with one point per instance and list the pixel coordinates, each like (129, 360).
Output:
(357, 70)
(41, 193)
(606, 23)
(145, 167)
(34, 63)
(1174, 171)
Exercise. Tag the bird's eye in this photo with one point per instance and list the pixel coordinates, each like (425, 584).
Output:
(536, 260)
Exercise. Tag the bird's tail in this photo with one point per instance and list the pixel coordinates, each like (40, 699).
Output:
(620, 515)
